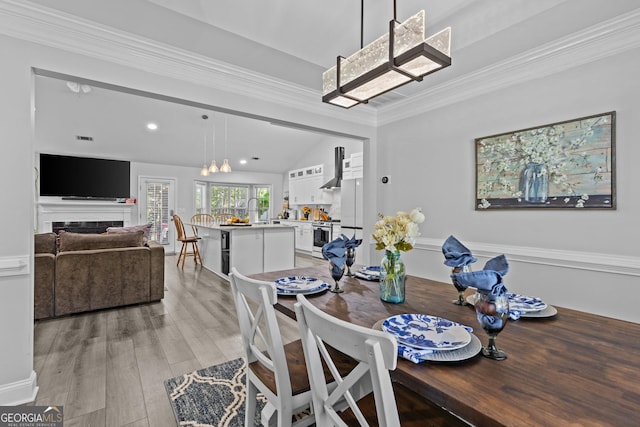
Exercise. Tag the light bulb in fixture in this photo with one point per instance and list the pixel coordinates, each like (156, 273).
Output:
(226, 167)
(214, 167)
(204, 171)
(243, 161)
(152, 126)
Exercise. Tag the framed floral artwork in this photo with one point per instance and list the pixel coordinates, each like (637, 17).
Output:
(564, 165)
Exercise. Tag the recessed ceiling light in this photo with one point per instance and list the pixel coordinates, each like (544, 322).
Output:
(152, 126)
(243, 161)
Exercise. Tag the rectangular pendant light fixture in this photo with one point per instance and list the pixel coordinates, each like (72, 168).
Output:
(393, 60)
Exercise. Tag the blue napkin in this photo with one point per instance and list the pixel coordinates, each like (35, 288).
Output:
(489, 280)
(351, 242)
(456, 254)
(334, 251)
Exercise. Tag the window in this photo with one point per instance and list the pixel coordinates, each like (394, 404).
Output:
(228, 199)
(238, 199)
(200, 197)
(263, 195)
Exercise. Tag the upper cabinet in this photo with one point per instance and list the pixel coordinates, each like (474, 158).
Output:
(304, 186)
(352, 166)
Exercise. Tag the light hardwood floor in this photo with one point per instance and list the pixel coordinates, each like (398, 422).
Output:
(107, 368)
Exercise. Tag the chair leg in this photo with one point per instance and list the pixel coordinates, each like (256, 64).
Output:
(196, 251)
(250, 407)
(180, 255)
(184, 255)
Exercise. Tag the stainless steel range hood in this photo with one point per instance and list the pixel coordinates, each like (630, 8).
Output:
(337, 176)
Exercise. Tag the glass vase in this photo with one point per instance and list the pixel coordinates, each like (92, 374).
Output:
(534, 183)
(392, 277)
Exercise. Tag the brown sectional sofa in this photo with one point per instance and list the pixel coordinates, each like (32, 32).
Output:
(86, 272)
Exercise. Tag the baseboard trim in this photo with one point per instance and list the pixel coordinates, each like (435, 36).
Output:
(604, 263)
(19, 392)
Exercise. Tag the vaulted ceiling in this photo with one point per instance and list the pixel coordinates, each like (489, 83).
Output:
(287, 41)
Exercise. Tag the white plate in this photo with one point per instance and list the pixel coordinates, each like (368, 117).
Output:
(294, 285)
(464, 353)
(548, 311)
(427, 332)
(372, 270)
(319, 289)
(298, 283)
(525, 304)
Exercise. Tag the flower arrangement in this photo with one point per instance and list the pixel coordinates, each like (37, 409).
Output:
(397, 233)
(306, 210)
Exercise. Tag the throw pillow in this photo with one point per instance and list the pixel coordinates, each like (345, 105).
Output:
(145, 228)
(81, 242)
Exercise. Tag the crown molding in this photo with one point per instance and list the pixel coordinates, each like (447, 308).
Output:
(603, 263)
(611, 37)
(49, 27)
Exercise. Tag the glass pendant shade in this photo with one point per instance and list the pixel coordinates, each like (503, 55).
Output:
(226, 167)
(214, 167)
(204, 171)
(374, 69)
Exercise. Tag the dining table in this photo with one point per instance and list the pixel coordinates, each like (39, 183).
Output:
(569, 369)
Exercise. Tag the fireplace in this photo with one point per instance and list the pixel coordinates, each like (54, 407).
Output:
(82, 216)
(84, 226)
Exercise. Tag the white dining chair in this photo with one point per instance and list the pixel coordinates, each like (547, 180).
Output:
(389, 404)
(273, 370)
(278, 371)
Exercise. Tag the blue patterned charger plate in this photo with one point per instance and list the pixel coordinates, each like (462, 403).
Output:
(427, 332)
(525, 304)
(305, 285)
(371, 272)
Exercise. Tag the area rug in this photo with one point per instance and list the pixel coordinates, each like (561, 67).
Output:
(214, 396)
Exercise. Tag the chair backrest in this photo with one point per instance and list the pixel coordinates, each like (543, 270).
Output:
(375, 352)
(254, 300)
(200, 218)
(223, 217)
(179, 227)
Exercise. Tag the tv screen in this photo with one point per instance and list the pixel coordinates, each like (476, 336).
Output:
(68, 176)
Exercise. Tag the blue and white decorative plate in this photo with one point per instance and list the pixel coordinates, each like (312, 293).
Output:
(305, 285)
(525, 304)
(371, 272)
(427, 332)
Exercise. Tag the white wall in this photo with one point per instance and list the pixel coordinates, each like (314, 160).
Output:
(582, 259)
(17, 378)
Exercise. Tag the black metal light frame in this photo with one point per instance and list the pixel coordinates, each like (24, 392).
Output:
(392, 64)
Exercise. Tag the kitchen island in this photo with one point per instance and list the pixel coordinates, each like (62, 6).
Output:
(251, 248)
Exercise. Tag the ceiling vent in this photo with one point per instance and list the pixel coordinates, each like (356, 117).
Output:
(84, 138)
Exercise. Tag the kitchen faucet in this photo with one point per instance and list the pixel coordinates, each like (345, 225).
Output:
(249, 212)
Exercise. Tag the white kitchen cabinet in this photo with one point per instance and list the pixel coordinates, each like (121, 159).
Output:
(304, 237)
(304, 186)
(275, 258)
(247, 250)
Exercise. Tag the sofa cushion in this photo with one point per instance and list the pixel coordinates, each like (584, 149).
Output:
(81, 242)
(145, 228)
(45, 243)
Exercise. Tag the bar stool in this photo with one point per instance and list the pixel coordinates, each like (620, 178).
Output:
(182, 237)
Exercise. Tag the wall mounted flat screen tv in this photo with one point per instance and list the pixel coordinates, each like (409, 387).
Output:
(84, 177)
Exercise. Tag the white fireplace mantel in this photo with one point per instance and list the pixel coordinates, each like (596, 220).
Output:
(50, 211)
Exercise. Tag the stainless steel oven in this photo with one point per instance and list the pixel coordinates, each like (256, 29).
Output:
(321, 236)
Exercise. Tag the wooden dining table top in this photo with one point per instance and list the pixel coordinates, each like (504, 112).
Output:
(572, 369)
